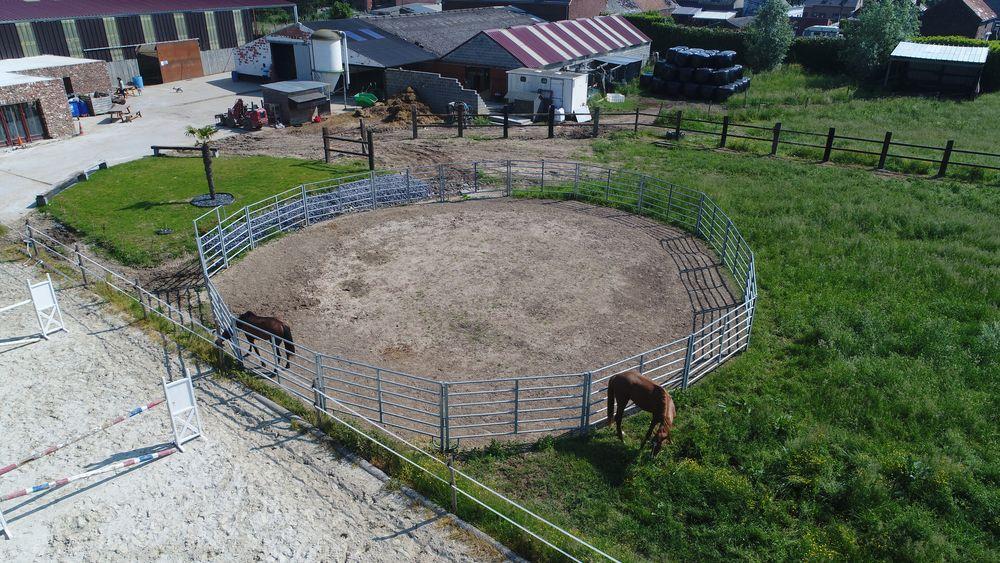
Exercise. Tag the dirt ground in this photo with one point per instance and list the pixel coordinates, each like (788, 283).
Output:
(471, 289)
(253, 489)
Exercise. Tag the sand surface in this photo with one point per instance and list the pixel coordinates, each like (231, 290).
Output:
(472, 289)
(255, 489)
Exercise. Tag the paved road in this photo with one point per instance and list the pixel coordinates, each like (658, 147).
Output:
(29, 171)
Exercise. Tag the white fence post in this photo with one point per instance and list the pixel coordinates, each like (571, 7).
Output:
(642, 189)
(378, 385)
(246, 217)
(371, 182)
(222, 238)
(475, 177)
(319, 385)
(305, 204)
(576, 179)
(509, 187)
(441, 182)
(442, 415)
(517, 405)
(585, 406)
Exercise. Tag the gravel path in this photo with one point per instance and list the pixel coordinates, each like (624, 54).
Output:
(255, 489)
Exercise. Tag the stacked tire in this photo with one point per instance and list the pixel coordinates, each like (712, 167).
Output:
(700, 74)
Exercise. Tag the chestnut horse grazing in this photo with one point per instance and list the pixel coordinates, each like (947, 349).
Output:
(648, 396)
(263, 328)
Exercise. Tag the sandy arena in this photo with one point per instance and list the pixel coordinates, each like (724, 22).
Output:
(254, 490)
(472, 289)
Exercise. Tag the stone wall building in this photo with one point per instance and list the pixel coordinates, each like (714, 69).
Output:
(33, 95)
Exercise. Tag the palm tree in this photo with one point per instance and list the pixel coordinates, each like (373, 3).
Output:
(203, 138)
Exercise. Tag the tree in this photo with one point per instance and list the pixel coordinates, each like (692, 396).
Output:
(341, 10)
(770, 35)
(869, 40)
(203, 138)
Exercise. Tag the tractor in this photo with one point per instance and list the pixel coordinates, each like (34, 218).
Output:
(249, 118)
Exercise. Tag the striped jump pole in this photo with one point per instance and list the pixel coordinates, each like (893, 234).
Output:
(52, 449)
(143, 459)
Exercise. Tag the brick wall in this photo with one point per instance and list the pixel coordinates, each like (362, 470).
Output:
(86, 77)
(52, 99)
(432, 89)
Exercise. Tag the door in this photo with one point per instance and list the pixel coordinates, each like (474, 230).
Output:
(21, 121)
(282, 62)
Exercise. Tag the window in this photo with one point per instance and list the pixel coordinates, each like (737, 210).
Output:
(21, 123)
(545, 81)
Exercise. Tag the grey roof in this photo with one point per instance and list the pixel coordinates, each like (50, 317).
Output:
(943, 53)
(685, 11)
(294, 86)
(440, 33)
(368, 46)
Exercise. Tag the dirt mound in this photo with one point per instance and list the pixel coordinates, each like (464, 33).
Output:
(398, 109)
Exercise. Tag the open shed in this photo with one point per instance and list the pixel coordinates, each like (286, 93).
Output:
(936, 68)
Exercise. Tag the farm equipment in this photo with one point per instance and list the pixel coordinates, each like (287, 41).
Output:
(249, 118)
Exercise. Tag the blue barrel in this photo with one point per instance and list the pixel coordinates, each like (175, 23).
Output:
(75, 108)
(137, 80)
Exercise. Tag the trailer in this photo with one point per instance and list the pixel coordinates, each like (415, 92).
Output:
(539, 89)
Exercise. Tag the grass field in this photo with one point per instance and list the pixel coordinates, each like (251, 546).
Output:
(120, 209)
(862, 423)
(814, 103)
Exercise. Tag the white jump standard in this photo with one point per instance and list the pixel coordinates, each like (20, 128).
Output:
(47, 311)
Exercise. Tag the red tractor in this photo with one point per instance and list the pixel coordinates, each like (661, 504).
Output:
(249, 118)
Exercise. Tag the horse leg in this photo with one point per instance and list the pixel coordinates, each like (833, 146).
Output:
(253, 347)
(648, 434)
(619, 415)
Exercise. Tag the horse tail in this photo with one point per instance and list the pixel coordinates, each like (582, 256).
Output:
(286, 333)
(611, 399)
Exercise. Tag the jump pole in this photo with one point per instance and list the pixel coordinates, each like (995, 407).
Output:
(54, 448)
(143, 459)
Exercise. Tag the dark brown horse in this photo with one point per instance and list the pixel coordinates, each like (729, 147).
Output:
(648, 396)
(265, 328)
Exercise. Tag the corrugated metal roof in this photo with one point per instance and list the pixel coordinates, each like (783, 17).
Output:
(544, 44)
(440, 33)
(944, 53)
(20, 10)
(379, 49)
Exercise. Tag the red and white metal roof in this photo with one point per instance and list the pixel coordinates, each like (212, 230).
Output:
(544, 44)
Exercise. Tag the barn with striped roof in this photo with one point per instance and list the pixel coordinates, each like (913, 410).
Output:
(579, 45)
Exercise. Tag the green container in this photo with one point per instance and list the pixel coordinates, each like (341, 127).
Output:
(365, 99)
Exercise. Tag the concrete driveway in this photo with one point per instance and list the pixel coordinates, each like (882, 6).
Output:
(166, 112)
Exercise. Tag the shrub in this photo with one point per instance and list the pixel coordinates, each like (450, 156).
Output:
(991, 72)
(818, 54)
(769, 36)
(665, 34)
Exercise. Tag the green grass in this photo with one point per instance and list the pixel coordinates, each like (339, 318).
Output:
(814, 103)
(120, 209)
(861, 424)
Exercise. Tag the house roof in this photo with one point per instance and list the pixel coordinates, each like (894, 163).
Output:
(544, 44)
(370, 47)
(9, 68)
(18, 10)
(853, 4)
(941, 53)
(685, 11)
(440, 33)
(714, 16)
(981, 9)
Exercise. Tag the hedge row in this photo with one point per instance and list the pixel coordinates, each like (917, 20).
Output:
(991, 72)
(666, 34)
(818, 54)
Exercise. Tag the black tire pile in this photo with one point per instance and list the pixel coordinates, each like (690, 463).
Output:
(700, 74)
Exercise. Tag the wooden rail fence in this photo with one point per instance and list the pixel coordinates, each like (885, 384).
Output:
(676, 124)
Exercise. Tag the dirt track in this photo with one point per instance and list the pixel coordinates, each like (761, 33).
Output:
(470, 289)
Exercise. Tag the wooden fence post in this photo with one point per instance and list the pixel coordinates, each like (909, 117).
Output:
(775, 138)
(371, 151)
(552, 121)
(506, 122)
(326, 144)
(830, 136)
(945, 158)
(597, 121)
(635, 129)
(413, 120)
(725, 131)
(885, 150)
(460, 113)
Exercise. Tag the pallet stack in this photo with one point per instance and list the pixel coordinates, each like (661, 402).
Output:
(698, 74)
